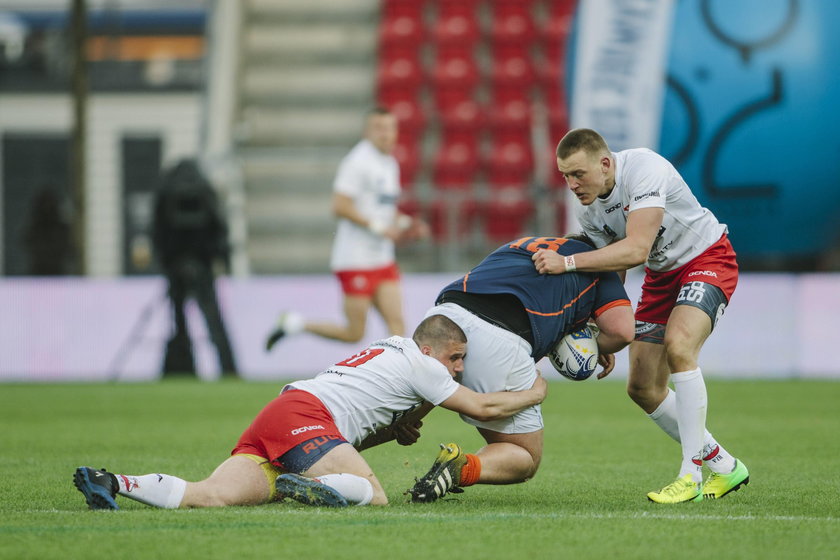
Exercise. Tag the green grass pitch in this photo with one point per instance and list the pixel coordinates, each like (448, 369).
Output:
(587, 501)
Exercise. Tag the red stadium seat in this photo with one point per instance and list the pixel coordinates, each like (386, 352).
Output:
(402, 70)
(406, 107)
(464, 115)
(407, 152)
(510, 162)
(512, 67)
(446, 98)
(456, 163)
(448, 7)
(507, 215)
(396, 8)
(512, 24)
(558, 124)
(555, 30)
(455, 67)
(510, 110)
(409, 204)
(452, 216)
(401, 31)
(459, 28)
(561, 7)
(504, 5)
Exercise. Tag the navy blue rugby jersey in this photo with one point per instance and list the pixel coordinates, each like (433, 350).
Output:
(556, 304)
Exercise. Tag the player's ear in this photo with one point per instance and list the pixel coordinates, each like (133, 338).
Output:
(426, 350)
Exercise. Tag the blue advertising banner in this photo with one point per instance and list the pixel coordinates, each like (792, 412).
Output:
(751, 120)
(750, 117)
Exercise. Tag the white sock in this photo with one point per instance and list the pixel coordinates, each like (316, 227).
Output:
(714, 455)
(355, 489)
(292, 322)
(159, 490)
(691, 418)
(665, 416)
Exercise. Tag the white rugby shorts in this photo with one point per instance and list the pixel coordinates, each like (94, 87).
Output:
(497, 360)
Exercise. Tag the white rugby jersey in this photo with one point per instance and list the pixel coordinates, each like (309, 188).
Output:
(372, 180)
(379, 385)
(644, 179)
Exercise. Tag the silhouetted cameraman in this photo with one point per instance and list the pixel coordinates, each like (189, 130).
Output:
(190, 236)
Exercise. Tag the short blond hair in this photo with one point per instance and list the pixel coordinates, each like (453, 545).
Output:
(584, 139)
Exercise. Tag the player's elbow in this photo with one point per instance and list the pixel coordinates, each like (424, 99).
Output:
(638, 255)
(488, 412)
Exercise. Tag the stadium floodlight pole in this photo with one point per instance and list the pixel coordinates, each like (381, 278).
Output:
(80, 92)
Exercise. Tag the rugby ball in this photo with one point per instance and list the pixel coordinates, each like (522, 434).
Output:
(576, 355)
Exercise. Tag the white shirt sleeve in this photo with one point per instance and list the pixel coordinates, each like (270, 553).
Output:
(646, 177)
(432, 381)
(349, 178)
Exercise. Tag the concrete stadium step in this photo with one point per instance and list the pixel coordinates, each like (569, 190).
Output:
(339, 84)
(309, 10)
(284, 206)
(271, 167)
(319, 41)
(301, 126)
(293, 254)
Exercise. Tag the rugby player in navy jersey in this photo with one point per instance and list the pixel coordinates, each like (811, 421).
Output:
(513, 316)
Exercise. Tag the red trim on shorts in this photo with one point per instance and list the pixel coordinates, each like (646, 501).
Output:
(366, 282)
(717, 265)
(292, 418)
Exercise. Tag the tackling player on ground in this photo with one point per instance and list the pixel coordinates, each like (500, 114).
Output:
(637, 209)
(305, 443)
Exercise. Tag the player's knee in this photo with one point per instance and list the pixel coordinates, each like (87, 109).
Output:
(680, 356)
(531, 472)
(206, 497)
(530, 465)
(396, 328)
(379, 499)
(642, 393)
(353, 337)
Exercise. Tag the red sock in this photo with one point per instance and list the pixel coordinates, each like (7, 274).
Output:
(471, 471)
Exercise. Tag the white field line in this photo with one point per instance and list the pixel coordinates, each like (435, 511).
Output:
(462, 517)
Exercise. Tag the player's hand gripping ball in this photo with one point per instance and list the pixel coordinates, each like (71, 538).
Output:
(576, 355)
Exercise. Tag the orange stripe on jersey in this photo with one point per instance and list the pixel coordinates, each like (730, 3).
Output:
(467, 275)
(568, 305)
(610, 305)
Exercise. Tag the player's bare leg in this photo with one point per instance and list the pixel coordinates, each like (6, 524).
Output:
(509, 458)
(389, 303)
(647, 383)
(344, 469)
(355, 311)
(506, 459)
(238, 481)
(687, 329)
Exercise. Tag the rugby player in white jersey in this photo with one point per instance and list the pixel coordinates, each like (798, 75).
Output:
(366, 191)
(305, 443)
(637, 209)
